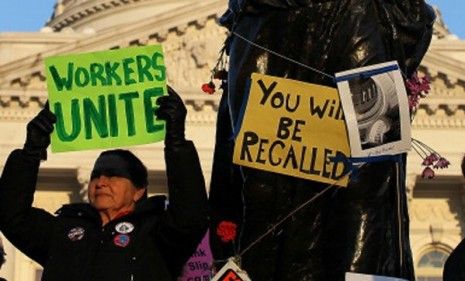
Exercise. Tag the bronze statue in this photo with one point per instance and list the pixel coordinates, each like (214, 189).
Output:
(362, 228)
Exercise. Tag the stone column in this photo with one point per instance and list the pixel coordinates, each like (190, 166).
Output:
(410, 182)
(8, 269)
(83, 177)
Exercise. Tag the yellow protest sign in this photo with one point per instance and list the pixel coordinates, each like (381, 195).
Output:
(293, 128)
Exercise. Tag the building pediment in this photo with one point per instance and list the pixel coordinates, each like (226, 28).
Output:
(162, 29)
(106, 14)
(446, 56)
(191, 41)
(18, 45)
(445, 105)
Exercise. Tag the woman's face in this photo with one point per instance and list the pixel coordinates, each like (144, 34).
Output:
(113, 194)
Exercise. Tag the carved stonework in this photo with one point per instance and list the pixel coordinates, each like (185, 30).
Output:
(79, 13)
(410, 182)
(190, 58)
(59, 8)
(433, 211)
(437, 117)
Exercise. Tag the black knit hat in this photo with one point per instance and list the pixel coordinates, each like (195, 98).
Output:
(121, 163)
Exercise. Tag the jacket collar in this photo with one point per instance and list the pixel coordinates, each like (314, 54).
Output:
(153, 205)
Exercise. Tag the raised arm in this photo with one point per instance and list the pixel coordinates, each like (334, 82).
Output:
(29, 229)
(186, 218)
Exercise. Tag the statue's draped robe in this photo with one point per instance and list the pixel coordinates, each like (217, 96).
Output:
(362, 228)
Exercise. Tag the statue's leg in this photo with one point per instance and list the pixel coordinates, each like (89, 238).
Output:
(368, 226)
(225, 197)
(292, 251)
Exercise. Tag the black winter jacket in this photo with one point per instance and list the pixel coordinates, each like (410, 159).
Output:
(74, 246)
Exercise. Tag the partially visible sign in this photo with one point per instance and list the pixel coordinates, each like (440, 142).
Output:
(293, 128)
(198, 267)
(376, 108)
(106, 99)
(231, 272)
(350, 276)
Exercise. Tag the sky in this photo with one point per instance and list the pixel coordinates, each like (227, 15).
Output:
(13, 16)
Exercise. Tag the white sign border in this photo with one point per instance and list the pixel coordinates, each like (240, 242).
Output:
(391, 148)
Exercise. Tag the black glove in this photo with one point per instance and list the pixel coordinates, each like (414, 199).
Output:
(38, 133)
(172, 110)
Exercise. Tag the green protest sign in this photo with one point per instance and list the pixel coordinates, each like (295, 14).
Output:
(106, 99)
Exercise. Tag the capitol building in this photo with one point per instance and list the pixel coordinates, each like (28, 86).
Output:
(191, 39)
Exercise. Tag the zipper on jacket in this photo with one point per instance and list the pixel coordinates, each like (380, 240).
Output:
(132, 270)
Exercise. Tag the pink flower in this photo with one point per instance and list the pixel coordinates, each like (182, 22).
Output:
(413, 87)
(418, 85)
(417, 88)
(427, 173)
(430, 159)
(425, 86)
(413, 101)
(442, 163)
